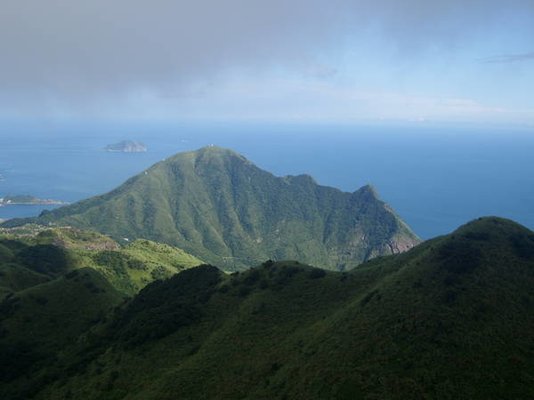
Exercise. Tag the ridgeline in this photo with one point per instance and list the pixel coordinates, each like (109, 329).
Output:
(450, 319)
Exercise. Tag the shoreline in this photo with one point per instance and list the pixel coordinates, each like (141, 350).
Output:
(33, 204)
(25, 210)
(26, 200)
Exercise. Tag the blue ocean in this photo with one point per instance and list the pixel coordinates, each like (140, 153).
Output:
(436, 178)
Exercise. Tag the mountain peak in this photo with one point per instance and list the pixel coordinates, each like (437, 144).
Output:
(207, 154)
(213, 150)
(491, 224)
(368, 190)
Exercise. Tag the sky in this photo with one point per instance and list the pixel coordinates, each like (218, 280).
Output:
(468, 61)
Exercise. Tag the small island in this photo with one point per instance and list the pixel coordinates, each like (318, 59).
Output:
(126, 146)
(28, 201)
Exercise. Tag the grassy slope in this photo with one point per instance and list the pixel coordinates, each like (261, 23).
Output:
(451, 319)
(215, 204)
(56, 284)
(32, 254)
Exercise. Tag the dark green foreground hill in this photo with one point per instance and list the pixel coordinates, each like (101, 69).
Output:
(452, 318)
(218, 206)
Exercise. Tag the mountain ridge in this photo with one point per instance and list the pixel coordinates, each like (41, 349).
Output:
(441, 320)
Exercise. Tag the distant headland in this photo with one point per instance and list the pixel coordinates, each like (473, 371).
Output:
(28, 201)
(126, 146)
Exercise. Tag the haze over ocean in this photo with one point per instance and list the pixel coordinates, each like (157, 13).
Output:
(435, 178)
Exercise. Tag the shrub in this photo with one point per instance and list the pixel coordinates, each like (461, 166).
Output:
(317, 273)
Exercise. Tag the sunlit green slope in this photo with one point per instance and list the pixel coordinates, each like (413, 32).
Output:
(34, 254)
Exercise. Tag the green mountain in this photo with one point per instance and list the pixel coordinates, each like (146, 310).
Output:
(218, 206)
(450, 319)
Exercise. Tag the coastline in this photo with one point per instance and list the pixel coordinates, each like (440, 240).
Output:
(25, 210)
(5, 202)
(59, 203)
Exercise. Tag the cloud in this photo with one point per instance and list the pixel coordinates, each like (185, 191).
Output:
(330, 101)
(508, 58)
(59, 54)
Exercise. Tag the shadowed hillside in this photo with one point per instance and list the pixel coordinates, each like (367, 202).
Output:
(450, 319)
